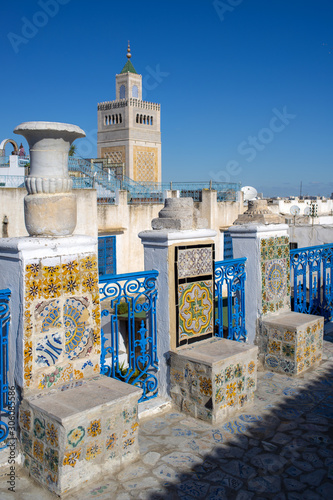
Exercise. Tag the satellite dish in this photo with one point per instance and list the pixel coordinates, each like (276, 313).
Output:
(295, 210)
(250, 193)
(307, 211)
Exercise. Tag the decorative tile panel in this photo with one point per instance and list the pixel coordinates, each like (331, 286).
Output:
(275, 277)
(195, 262)
(195, 309)
(194, 292)
(61, 318)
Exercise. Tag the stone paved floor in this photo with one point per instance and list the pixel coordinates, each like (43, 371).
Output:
(279, 448)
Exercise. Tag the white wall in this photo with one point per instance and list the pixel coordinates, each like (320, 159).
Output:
(11, 206)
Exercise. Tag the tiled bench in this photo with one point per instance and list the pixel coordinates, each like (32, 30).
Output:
(213, 378)
(291, 342)
(68, 437)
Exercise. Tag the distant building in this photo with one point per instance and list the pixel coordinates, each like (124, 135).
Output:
(129, 130)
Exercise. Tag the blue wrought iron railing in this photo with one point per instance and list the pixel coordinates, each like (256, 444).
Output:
(230, 277)
(129, 339)
(311, 276)
(4, 329)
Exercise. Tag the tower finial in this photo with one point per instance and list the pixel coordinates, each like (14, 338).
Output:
(129, 55)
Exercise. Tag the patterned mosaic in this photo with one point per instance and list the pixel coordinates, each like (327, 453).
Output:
(52, 450)
(292, 349)
(211, 390)
(195, 262)
(275, 272)
(194, 292)
(115, 153)
(61, 320)
(145, 164)
(195, 309)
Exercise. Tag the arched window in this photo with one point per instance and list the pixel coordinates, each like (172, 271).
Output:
(151, 120)
(122, 92)
(120, 118)
(135, 91)
(144, 119)
(105, 120)
(137, 118)
(148, 120)
(112, 119)
(140, 118)
(116, 118)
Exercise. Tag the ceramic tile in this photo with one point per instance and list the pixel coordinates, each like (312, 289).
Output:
(195, 309)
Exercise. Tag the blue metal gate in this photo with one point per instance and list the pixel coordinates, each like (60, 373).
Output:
(230, 277)
(311, 275)
(129, 340)
(4, 329)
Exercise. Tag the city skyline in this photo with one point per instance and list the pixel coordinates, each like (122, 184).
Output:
(244, 86)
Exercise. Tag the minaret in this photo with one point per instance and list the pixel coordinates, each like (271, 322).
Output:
(129, 130)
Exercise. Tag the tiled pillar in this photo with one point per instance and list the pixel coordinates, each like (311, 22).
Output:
(55, 334)
(161, 248)
(267, 286)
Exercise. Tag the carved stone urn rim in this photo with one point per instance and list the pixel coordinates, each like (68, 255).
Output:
(41, 126)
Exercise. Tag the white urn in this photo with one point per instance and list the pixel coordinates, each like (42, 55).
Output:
(50, 206)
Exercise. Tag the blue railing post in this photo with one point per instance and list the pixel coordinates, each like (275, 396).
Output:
(232, 274)
(4, 330)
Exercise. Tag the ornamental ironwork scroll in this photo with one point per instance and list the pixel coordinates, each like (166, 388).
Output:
(129, 347)
(4, 330)
(230, 278)
(312, 272)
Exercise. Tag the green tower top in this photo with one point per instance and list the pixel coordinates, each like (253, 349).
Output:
(128, 68)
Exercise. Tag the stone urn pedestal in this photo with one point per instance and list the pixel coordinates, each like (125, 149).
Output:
(50, 206)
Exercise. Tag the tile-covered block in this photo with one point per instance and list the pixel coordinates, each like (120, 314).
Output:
(213, 378)
(70, 436)
(291, 342)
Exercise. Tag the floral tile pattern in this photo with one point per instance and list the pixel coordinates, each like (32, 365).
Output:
(194, 292)
(195, 309)
(275, 274)
(61, 318)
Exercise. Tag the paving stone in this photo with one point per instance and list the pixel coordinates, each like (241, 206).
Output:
(141, 483)
(293, 484)
(265, 484)
(198, 489)
(313, 478)
(269, 462)
(281, 438)
(293, 471)
(244, 495)
(151, 458)
(166, 474)
(304, 466)
(132, 471)
(326, 490)
(239, 469)
(217, 493)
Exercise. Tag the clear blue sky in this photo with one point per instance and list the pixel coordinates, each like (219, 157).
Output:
(224, 72)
